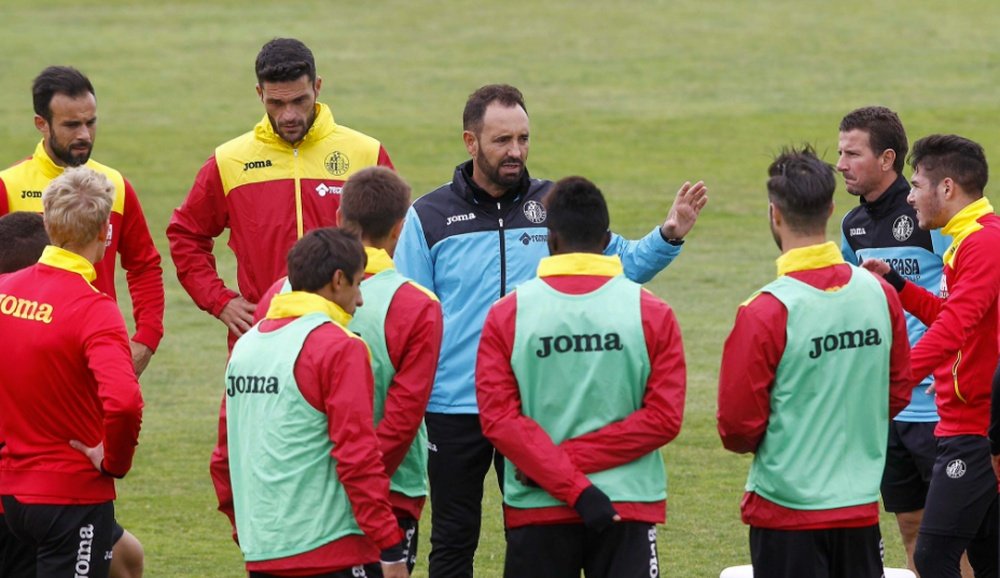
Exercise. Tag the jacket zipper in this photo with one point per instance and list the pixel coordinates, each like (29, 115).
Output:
(299, 224)
(503, 258)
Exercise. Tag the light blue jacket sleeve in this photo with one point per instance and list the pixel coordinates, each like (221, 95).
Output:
(644, 258)
(412, 257)
(846, 251)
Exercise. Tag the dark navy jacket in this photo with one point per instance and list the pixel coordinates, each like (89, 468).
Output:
(887, 229)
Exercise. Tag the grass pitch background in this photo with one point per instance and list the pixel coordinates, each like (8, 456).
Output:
(637, 96)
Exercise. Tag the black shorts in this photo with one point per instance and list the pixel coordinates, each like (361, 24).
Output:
(963, 487)
(833, 553)
(68, 539)
(17, 559)
(908, 464)
(624, 550)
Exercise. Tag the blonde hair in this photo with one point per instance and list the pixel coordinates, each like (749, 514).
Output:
(77, 206)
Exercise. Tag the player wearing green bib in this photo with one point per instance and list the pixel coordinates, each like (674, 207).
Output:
(580, 380)
(402, 324)
(815, 366)
(303, 482)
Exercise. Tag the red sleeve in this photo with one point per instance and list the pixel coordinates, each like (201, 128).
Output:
(750, 359)
(900, 378)
(920, 302)
(266, 298)
(413, 327)
(383, 158)
(518, 437)
(658, 421)
(110, 361)
(339, 370)
(973, 288)
(192, 231)
(219, 468)
(143, 273)
(4, 205)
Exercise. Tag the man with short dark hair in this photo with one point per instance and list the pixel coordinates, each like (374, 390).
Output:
(300, 379)
(580, 379)
(268, 187)
(960, 348)
(22, 240)
(73, 406)
(470, 242)
(872, 148)
(824, 335)
(66, 116)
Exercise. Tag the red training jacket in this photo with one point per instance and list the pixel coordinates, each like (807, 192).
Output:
(65, 374)
(960, 345)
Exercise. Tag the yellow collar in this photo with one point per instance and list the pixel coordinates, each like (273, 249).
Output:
(811, 257)
(299, 303)
(580, 264)
(322, 126)
(378, 261)
(68, 261)
(964, 223)
(49, 168)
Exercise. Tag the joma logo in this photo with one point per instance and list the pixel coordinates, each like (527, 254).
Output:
(844, 340)
(256, 165)
(25, 309)
(31, 194)
(251, 384)
(457, 218)
(579, 343)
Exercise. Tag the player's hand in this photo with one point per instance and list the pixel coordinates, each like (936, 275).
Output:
(595, 509)
(238, 315)
(94, 454)
(876, 266)
(395, 570)
(688, 203)
(141, 355)
(524, 479)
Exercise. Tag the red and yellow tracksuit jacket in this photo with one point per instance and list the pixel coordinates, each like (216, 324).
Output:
(67, 369)
(21, 189)
(960, 345)
(268, 193)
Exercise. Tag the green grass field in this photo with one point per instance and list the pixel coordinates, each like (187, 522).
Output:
(637, 96)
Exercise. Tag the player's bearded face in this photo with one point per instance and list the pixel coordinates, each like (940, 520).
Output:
(69, 135)
(504, 174)
(73, 153)
(290, 106)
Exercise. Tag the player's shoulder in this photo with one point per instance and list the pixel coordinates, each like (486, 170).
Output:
(417, 292)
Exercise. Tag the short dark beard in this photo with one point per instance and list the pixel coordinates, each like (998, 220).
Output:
(493, 172)
(63, 153)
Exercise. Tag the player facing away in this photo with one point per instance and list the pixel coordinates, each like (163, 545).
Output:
(960, 347)
(72, 403)
(580, 379)
(22, 241)
(815, 367)
(302, 477)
